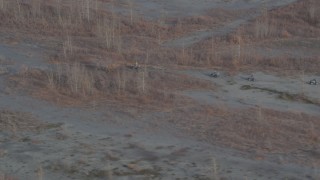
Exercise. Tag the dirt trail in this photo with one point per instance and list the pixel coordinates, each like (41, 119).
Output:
(195, 37)
(22, 55)
(236, 91)
(198, 36)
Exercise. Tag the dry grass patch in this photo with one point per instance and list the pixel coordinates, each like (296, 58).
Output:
(240, 49)
(18, 121)
(254, 130)
(77, 83)
(299, 19)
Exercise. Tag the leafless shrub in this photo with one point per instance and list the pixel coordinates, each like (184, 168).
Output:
(264, 28)
(215, 169)
(40, 173)
(51, 79)
(75, 77)
(2, 5)
(36, 7)
(68, 50)
(313, 12)
(79, 79)
(58, 16)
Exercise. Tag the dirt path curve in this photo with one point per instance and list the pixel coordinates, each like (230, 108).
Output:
(195, 37)
(198, 36)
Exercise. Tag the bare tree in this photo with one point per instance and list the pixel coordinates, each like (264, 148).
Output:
(2, 5)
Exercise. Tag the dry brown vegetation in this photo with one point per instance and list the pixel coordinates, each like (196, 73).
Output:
(176, 27)
(88, 33)
(75, 82)
(93, 48)
(96, 46)
(105, 34)
(297, 22)
(6, 177)
(100, 57)
(300, 19)
(18, 121)
(257, 130)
